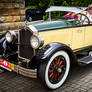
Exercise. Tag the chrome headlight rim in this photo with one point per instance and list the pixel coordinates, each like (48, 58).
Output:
(10, 36)
(39, 39)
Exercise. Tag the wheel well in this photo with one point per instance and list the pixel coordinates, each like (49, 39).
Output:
(41, 58)
(73, 58)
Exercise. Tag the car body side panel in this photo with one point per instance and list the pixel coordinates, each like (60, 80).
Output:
(63, 36)
(75, 37)
(78, 37)
(88, 36)
(72, 37)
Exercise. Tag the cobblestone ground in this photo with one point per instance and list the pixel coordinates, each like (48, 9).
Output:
(79, 80)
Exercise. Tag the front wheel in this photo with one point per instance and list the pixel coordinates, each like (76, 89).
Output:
(54, 72)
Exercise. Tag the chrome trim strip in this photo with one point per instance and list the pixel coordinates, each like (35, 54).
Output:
(32, 29)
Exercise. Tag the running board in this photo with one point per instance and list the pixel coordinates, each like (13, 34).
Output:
(86, 60)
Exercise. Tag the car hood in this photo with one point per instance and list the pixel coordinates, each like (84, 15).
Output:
(50, 25)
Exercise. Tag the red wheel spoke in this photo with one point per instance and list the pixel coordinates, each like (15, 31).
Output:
(53, 63)
(61, 66)
(51, 66)
(51, 71)
(56, 77)
(50, 75)
(58, 61)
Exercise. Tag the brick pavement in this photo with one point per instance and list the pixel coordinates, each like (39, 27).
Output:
(79, 80)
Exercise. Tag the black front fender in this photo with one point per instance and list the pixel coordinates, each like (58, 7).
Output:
(45, 53)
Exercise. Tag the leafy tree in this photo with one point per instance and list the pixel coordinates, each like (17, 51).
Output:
(51, 3)
(39, 4)
(42, 5)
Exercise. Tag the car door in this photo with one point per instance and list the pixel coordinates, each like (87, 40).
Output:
(88, 35)
(59, 36)
(78, 37)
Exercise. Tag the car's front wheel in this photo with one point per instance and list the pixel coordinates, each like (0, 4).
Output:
(54, 72)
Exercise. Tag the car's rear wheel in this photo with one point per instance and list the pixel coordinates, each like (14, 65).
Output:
(54, 72)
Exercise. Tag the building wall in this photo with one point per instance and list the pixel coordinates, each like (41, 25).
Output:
(12, 14)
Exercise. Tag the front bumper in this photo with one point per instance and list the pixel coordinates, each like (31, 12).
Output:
(17, 68)
(26, 72)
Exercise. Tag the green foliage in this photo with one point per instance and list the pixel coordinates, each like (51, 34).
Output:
(42, 5)
(46, 16)
(51, 3)
(65, 3)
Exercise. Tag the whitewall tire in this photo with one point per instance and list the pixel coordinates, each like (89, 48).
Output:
(55, 71)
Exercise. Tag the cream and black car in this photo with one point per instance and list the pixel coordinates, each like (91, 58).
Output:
(46, 50)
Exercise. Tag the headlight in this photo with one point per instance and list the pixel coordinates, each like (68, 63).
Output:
(36, 41)
(10, 36)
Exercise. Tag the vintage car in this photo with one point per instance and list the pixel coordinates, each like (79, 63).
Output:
(33, 14)
(46, 50)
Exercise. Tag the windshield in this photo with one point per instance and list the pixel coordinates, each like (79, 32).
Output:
(55, 24)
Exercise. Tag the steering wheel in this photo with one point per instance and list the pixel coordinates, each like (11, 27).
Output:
(83, 19)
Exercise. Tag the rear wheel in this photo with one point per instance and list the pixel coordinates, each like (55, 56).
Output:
(54, 72)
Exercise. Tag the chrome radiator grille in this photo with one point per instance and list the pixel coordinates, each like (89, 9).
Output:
(25, 49)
